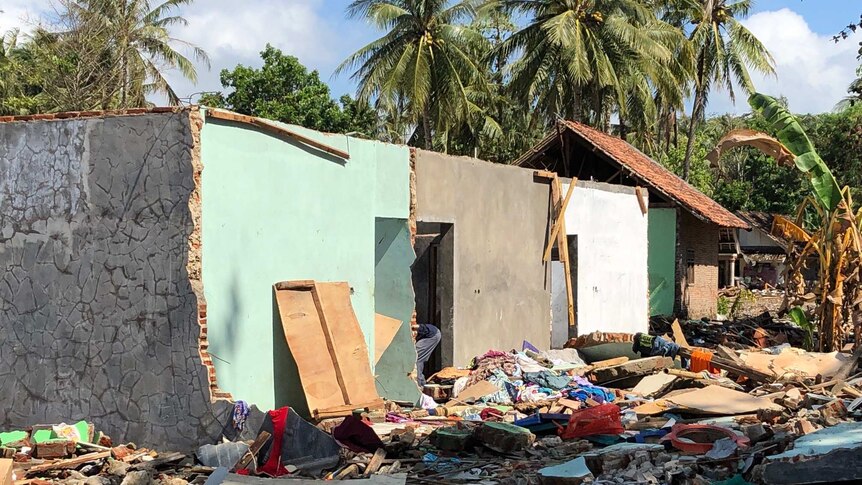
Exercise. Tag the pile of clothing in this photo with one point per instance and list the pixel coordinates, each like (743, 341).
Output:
(528, 376)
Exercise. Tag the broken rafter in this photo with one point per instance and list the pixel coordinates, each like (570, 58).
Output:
(271, 127)
(641, 202)
(560, 221)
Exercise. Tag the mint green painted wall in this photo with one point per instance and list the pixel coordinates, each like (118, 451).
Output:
(661, 234)
(393, 297)
(277, 210)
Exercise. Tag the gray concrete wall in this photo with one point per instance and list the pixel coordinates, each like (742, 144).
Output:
(98, 319)
(500, 218)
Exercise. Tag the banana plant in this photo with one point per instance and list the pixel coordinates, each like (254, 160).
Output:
(835, 240)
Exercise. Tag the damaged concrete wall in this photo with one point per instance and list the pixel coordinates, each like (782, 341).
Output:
(500, 220)
(98, 319)
(277, 210)
(611, 251)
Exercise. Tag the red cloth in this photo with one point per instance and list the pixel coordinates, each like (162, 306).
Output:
(273, 466)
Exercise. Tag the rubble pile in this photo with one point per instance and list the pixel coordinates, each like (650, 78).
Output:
(683, 406)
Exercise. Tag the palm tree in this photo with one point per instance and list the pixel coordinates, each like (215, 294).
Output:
(138, 32)
(724, 51)
(579, 57)
(426, 62)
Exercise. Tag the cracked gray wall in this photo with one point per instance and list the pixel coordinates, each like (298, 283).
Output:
(98, 319)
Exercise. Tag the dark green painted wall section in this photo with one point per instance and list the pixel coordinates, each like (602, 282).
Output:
(661, 234)
(393, 297)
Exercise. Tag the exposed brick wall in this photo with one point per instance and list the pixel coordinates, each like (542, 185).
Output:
(699, 298)
(194, 264)
(206, 358)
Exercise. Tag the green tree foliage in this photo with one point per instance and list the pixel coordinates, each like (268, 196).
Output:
(284, 90)
(427, 67)
(136, 33)
(723, 52)
(749, 180)
(95, 54)
(585, 59)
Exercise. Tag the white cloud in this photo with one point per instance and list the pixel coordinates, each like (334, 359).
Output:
(811, 71)
(21, 14)
(235, 31)
(231, 35)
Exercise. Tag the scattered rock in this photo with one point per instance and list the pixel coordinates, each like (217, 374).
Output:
(504, 437)
(117, 468)
(139, 477)
(452, 438)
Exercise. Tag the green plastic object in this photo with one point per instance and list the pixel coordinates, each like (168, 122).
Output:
(12, 437)
(83, 428)
(43, 435)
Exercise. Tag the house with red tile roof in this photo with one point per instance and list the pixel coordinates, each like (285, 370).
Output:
(684, 224)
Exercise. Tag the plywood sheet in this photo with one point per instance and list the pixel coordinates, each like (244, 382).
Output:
(385, 329)
(350, 351)
(653, 384)
(476, 391)
(796, 361)
(327, 344)
(723, 401)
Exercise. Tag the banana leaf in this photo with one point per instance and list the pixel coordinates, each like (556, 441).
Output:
(791, 134)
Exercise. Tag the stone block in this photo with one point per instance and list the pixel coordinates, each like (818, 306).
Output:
(757, 433)
(504, 437)
(452, 438)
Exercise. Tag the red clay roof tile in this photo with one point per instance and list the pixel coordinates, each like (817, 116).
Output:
(657, 177)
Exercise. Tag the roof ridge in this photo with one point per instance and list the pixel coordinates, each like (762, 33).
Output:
(657, 176)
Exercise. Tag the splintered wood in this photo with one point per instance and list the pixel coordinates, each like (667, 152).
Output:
(328, 346)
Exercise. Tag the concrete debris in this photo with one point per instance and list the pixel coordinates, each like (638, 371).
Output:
(529, 418)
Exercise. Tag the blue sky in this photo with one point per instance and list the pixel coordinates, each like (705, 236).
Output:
(811, 71)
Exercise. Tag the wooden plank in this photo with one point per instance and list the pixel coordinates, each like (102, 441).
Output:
(375, 462)
(745, 371)
(610, 362)
(545, 174)
(561, 217)
(385, 329)
(70, 463)
(726, 353)
(640, 196)
(678, 334)
(253, 450)
(275, 129)
(308, 345)
(347, 341)
(6, 471)
(348, 409)
(564, 256)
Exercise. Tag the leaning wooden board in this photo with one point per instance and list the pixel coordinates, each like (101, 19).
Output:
(328, 346)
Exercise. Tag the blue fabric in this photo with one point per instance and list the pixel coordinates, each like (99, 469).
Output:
(240, 414)
(548, 379)
(598, 394)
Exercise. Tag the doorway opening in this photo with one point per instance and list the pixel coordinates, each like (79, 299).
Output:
(561, 331)
(433, 284)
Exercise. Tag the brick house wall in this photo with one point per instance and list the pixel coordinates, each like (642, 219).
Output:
(697, 248)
